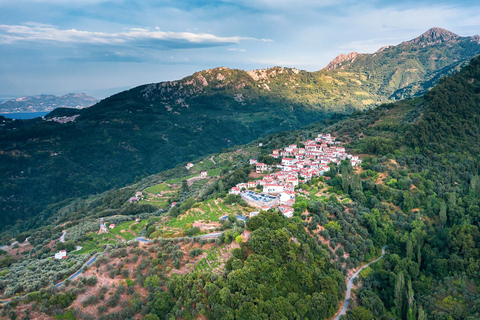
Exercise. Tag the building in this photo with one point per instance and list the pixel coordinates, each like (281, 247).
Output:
(103, 226)
(234, 190)
(253, 161)
(137, 220)
(261, 167)
(272, 188)
(189, 165)
(203, 174)
(286, 211)
(61, 254)
(112, 225)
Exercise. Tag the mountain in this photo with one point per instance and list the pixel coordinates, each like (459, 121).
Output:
(415, 194)
(412, 67)
(158, 126)
(44, 102)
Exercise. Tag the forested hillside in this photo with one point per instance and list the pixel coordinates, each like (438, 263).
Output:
(155, 127)
(427, 157)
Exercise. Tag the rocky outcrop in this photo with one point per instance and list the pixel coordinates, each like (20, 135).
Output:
(335, 63)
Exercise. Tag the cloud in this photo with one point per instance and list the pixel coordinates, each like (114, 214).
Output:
(42, 33)
(236, 49)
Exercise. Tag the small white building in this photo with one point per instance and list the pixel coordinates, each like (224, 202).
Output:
(261, 167)
(272, 188)
(234, 190)
(61, 254)
(189, 165)
(203, 174)
(286, 211)
(253, 161)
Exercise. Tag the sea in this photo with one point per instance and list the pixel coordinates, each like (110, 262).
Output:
(25, 115)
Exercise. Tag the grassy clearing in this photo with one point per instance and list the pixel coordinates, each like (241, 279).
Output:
(95, 242)
(209, 211)
(214, 172)
(160, 203)
(179, 180)
(123, 226)
(159, 188)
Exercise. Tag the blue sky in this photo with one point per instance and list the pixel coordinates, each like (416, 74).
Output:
(102, 46)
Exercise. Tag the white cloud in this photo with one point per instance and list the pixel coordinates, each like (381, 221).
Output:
(34, 32)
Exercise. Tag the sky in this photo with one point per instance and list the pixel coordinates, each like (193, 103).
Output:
(104, 46)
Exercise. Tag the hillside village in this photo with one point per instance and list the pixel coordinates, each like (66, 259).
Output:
(298, 163)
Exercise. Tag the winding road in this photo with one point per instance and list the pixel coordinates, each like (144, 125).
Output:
(350, 283)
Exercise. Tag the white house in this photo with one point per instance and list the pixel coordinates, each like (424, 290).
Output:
(61, 254)
(253, 161)
(272, 188)
(252, 184)
(288, 161)
(234, 190)
(203, 174)
(286, 210)
(261, 167)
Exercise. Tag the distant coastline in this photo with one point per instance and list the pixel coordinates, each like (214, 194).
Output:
(25, 115)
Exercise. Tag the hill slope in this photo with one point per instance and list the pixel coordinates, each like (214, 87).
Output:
(157, 126)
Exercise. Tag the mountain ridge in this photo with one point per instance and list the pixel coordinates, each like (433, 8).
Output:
(47, 102)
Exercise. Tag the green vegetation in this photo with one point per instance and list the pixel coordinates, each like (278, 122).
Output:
(302, 277)
(423, 202)
(156, 127)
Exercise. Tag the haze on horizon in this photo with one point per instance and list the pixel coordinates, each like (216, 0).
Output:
(102, 46)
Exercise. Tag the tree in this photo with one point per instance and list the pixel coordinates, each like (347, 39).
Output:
(443, 213)
(161, 304)
(399, 287)
(239, 239)
(360, 313)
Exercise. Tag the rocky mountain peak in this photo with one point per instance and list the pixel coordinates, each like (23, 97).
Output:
(434, 36)
(340, 59)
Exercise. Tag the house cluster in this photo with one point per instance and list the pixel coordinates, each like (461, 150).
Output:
(138, 196)
(302, 163)
(64, 119)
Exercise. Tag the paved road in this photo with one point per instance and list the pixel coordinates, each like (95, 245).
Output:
(350, 283)
(208, 235)
(62, 238)
(214, 163)
(79, 272)
(72, 277)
